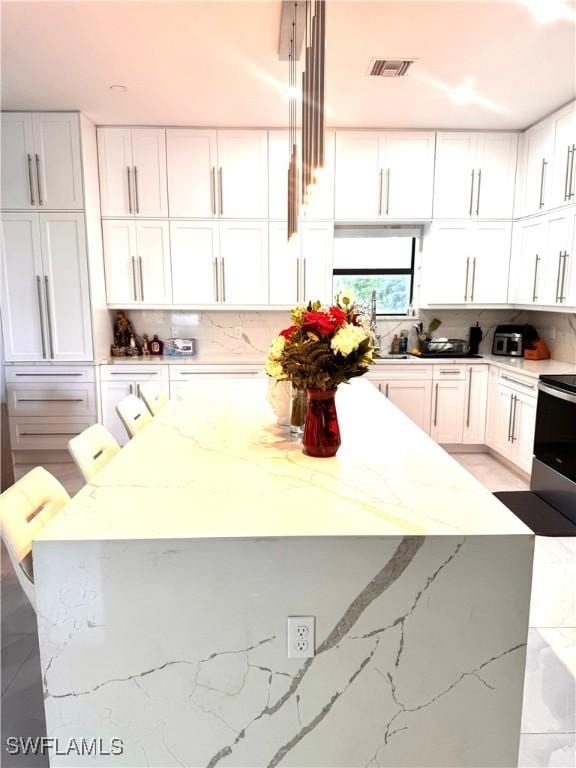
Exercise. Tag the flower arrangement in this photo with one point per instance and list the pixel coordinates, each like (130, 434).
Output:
(324, 346)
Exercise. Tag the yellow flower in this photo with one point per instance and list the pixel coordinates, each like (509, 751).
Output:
(275, 370)
(347, 339)
(277, 347)
(346, 297)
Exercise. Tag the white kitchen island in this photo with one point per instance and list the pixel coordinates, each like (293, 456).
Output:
(164, 587)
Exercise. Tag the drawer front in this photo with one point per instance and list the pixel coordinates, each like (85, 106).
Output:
(407, 372)
(45, 434)
(188, 372)
(518, 382)
(134, 372)
(55, 374)
(51, 399)
(449, 372)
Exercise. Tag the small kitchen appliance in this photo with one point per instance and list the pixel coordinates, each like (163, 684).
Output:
(508, 341)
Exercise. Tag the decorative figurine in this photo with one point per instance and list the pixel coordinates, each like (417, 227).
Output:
(123, 330)
(145, 346)
(132, 349)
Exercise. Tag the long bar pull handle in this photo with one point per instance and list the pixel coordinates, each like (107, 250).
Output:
(469, 397)
(223, 278)
(30, 181)
(40, 200)
(48, 316)
(436, 405)
(536, 263)
(134, 278)
(387, 388)
(131, 389)
(513, 435)
(221, 190)
(510, 418)
(136, 195)
(542, 176)
(213, 189)
(471, 192)
(568, 153)
(40, 312)
(216, 298)
(478, 192)
(387, 191)
(141, 277)
(380, 175)
(570, 182)
(129, 189)
(565, 258)
(520, 383)
(466, 278)
(473, 278)
(558, 276)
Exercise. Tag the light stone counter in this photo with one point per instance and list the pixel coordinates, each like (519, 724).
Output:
(164, 586)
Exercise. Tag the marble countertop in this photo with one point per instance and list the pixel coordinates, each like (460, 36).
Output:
(216, 465)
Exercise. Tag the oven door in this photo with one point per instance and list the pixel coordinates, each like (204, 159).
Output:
(555, 437)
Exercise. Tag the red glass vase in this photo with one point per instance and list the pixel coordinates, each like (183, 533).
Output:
(321, 432)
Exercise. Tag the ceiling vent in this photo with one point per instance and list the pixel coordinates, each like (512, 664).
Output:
(390, 67)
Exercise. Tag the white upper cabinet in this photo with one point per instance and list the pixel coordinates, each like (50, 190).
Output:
(557, 265)
(194, 247)
(119, 240)
(192, 161)
(527, 261)
(284, 265)
(564, 172)
(384, 175)
(132, 165)
(242, 175)
(243, 266)
(475, 174)
(536, 166)
(315, 274)
(489, 244)
(41, 161)
(153, 256)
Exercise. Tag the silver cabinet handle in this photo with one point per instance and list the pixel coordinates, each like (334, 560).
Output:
(40, 312)
(558, 276)
(138, 389)
(380, 175)
(216, 279)
(510, 418)
(129, 190)
(50, 399)
(568, 155)
(387, 191)
(436, 405)
(134, 278)
(542, 175)
(133, 373)
(466, 278)
(387, 388)
(471, 192)
(478, 192)
(223, 278)
(536, 263)
(131, 389)
(570, 184)
(565, 258)
(30, 181)
(473, 278)
(48, 374)
(136, 195)
(47, 434)
(141, 278)
(520, 383)
(221, 190)
(379, 387)
(512, 434)
(40, 201)
(48, 315)
(213, 189)
(469, 397)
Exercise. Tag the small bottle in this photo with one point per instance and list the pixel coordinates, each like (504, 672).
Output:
(156, 346)
(395, 348)
(403, 343)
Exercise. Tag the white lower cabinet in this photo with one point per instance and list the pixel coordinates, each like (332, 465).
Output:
(512, 417)
(119, 381)
(474, 429)
(410, 389)
(448, 402)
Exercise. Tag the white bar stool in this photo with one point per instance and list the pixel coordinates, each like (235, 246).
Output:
(133, 414)
(92, 449)
(154, 397)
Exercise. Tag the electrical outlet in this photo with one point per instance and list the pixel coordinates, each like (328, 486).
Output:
(300, 634)
(237, 331)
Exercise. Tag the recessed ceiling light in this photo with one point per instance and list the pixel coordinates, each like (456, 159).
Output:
(119, 88)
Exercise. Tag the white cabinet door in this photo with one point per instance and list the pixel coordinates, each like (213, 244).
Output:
(284, 265)
(244, 262)
(23, 312)
(501, 422)
(119, 240)
(490, 263)
(448, 411)
(408, 174)
(358, 183)
(194, 253)
(523, 428)
(65, 286)
(278, 159)
(564, 171)
(454, 175)
(556, 270)
(474, 431)
(571, 269)
(153, 257)
(527, 261)
(536, 171)
(414, 398)
(243, 174)
(111, 392)
(58, 161)
(18, 163)
(446, 263)
(317, 243)
(191, 162)
(495, 165)
(149, 161)
(115, 171)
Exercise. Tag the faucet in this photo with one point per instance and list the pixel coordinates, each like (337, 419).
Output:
(373, 325)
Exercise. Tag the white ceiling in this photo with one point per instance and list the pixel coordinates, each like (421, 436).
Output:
(215, 62)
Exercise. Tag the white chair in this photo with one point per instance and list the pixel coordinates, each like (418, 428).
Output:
(133, 414)
(154, 397)
(25, 508)
(92, 450)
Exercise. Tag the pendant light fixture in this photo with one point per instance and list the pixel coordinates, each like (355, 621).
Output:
(293, 197)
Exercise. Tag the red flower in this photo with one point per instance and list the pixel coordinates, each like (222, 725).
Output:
(338, 316)
(288, 333)
(318, 322)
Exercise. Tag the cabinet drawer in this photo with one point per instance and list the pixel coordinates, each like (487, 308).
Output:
(449, 372)
(190, 372)
(518, 382)
(57, 374)
(400, 372)
(135, 372)
(50, 433)
(51, 399)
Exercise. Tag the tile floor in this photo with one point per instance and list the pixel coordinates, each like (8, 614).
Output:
(549, 716)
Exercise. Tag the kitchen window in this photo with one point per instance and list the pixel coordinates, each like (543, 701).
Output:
(380, 259)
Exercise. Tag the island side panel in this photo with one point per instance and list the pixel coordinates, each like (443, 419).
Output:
(179, 649)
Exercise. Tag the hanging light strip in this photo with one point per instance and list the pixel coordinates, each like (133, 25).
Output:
(292, 145)
(313, 96)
